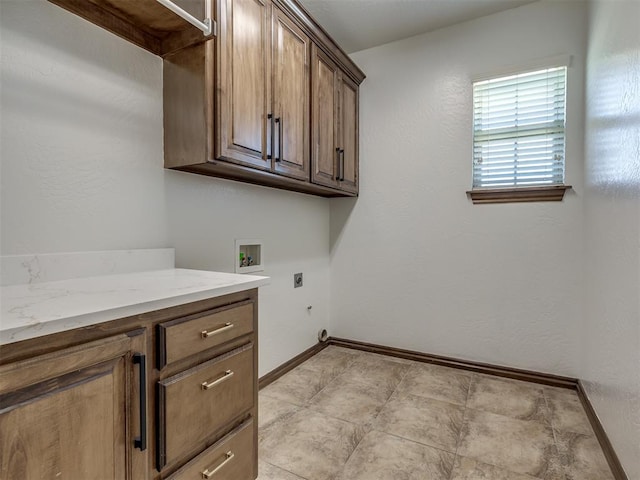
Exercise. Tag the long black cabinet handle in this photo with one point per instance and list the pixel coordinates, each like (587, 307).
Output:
(279, 122)
(338, 163)
(281, 141)
(342, 164)
(141, 441)
(270, 155)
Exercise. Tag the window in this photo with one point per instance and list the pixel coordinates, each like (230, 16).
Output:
(519, 136)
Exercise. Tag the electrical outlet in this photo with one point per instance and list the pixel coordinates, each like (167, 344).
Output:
(297, 280)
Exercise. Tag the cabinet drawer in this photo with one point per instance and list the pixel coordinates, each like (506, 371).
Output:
(201, 400)
(179, 338)
(232, 458)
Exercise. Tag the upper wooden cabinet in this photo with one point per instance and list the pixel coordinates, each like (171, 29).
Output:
(256, 105)
(335, 125)
(290, 73)
(325, 141)
(263, 86)
(244, 82)
(252, 103)
(348, 108)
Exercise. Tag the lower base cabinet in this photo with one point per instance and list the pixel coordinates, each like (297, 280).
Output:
(75, 413)
(202, 400)
(228, 459)
(171, 394)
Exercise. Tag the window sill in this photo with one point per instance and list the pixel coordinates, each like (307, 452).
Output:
(552, 193)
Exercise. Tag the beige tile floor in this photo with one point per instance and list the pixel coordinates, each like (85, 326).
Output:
(350, 415)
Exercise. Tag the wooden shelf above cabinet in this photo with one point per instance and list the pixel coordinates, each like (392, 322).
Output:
(145, 23)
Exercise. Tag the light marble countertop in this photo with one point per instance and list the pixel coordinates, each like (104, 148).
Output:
(37, 309)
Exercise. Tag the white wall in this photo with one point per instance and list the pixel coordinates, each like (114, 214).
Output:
(206, 215)
(81, 136)
(414, 264)
(81, 151)
(611, 330)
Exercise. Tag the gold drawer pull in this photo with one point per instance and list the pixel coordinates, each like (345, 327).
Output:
(227, 326)
(228, 457)
(227, 375)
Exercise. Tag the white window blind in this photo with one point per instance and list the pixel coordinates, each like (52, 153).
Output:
(518, 129)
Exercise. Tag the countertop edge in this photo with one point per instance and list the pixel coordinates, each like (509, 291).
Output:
(40, 329)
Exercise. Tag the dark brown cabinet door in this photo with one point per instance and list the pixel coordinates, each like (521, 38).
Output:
(325, 144)
(334, 125)
(244, 82)
(290, 76)
(348, 156)
(73, 414)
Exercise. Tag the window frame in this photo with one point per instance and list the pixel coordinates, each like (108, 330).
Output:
(530, 193)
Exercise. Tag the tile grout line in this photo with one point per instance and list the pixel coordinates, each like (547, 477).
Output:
(284, 470)
(440, 449)
(464, 419)
(553, 429)
(279, 399)
(556, 443)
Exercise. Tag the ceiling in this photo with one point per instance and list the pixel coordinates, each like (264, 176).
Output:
(360, 24)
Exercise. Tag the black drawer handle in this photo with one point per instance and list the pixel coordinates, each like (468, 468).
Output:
(270, 117)
(279, 123)
(141, 441)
